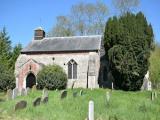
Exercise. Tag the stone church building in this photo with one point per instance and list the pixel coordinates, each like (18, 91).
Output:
(81, 57)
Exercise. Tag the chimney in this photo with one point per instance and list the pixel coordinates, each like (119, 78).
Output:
(39, 34)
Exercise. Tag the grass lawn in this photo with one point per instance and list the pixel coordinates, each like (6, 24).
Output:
(122, 106)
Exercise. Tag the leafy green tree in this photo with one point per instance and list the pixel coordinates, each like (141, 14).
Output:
(52, 77)
(128, 42)
(154, 67)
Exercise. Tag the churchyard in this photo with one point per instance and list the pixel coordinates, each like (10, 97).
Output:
(73, 104)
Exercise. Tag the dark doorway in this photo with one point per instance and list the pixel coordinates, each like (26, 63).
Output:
(30, 80)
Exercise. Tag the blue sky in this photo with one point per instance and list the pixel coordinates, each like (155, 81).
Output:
(21, 17)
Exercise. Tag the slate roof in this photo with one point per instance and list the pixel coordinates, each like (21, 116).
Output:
(57, 44)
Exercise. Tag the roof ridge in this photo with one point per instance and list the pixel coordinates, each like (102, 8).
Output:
(46, 38)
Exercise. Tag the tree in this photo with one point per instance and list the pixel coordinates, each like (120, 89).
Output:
(84, 19)
(63, 27)
(125, 6)
(15, 53)
(128, 42)
(154, 67)
(5, 46)
(8, 56)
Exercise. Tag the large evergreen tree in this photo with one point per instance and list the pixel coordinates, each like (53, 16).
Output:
(128, 41)
(8, 56)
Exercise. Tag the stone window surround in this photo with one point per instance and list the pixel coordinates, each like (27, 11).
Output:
(72, 62)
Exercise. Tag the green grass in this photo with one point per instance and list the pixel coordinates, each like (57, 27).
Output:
(122, 105)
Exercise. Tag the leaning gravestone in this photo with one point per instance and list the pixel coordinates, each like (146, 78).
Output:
(23, 92)
(15, 93)
(20, 105)
(37, 101)
(63, 94)
(9, 94)
(81, 92)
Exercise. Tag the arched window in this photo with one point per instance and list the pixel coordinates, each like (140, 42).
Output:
(72, 69)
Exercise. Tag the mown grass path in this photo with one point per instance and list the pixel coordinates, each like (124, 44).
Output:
(122, 106)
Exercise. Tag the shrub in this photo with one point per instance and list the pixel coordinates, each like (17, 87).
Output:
(52, 77)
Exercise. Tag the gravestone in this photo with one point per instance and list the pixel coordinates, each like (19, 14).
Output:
(20, 105)
(23, 92)
(15, 93)
(152, 96)
(9, 94)
(75, 94)
(81, 92)
(63, 94)
(37, 101)
(91, 110)
(73, 83)
(45, 93)
(107, 96)
(34, 88)
(112, 86)
(45, 100)
(28, 90)
(155, 94)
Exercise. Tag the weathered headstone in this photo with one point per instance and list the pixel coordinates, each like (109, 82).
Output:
(152, 96)
(107, 96)
(75, 94)
(9, 94)
(37, 101)
(23, 92)
(73, 83)
(28, 90)
(20, 105)
(63, 94)
(155, 94)
(45, 93)
(91, 110)
(45, 100)
(15, 93)
(112, 86)
(81, 92)
(34, 88)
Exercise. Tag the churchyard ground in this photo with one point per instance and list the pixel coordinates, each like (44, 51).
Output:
(121, 106)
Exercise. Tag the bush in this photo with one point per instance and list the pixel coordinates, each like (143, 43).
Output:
(52, 77)
(7, 79)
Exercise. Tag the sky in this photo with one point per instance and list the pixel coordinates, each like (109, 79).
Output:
(21, 17)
